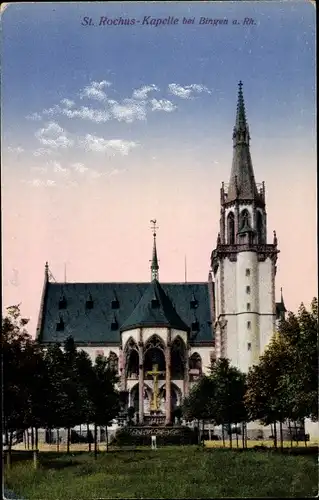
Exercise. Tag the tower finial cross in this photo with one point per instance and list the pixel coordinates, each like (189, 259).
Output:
(154, 226)
(240, 85)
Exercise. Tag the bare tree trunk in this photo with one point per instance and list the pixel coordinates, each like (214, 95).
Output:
(95, 441)
(88, 436)
(275, 435)
(230, 436)
(242, 434)
(203, 436)
(32, 438)
(107, 439)
(58, 440)
(25, 439)
(290, 432)
(28, 439)
(304, 433)
(281, 436)
(296, 432)
(36, 438)
(68, 440)
(236, 434)
(223, 435)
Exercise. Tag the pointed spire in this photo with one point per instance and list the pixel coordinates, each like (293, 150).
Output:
(242, 185)
(46, 271)
(241, 113)
(154, 261)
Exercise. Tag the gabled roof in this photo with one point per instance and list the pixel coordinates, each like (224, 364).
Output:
(154, 309)
(96, 324)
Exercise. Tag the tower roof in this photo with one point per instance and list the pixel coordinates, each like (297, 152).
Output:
(242, 185)
(155, 309)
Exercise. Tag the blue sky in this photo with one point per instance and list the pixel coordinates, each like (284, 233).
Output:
(105, 128)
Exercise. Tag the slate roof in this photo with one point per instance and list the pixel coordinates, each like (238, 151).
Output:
(94, 325)
(154, 309)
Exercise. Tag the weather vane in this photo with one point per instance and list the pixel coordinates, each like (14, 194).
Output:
(154, 227)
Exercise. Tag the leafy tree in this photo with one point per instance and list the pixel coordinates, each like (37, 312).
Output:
(103, 396)
(200, 402)
(227, 404)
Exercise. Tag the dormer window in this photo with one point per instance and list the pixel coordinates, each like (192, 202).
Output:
(155, 303)
(60, 325)
(89, 302)
(194, 303)
(115, 304)
(62, 302)
(114, 324)
(195, 326)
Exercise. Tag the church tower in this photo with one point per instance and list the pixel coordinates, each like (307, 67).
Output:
(243, 263)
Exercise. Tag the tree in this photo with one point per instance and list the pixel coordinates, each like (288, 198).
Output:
(103, 395)
(227, 404)
(200, 402)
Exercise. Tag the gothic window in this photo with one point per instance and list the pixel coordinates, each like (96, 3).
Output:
(113, 361)
(195, 364)
(178, 359)
(248, 289)
(259, 227)
(244, 219)
(231, 228)
(248, 306)
(249, 346)
(247, 272)
(248, 325)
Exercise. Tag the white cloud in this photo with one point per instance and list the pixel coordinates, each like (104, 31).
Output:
(95, 115)
(53, 136)
(34, 117)
(187, 91)
(142, 93)
(95, 90)
(42, 152)
(162, 105)
(116, 171)
(79, 167)
(128, 111)
(112, 146)
(39, 183)
(58, 169)
(68, 103)
(41, 169)
(16, 149)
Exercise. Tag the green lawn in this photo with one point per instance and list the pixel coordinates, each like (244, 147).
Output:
(172, 472)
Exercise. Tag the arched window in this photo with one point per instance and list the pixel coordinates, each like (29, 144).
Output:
(113, 362)
(195, 364)
(244, 219)
(260, 227)
(231, 228)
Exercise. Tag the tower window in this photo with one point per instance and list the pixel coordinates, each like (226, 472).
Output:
(248, 325)
(247, 272)
(248, 306)
(231, 228)
(249, 346)
(248, 289)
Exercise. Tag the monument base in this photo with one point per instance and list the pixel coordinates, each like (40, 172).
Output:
(165, 435)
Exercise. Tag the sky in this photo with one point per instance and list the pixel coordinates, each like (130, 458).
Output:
(106, 126)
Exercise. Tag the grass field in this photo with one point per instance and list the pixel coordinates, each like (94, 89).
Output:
(170, 472)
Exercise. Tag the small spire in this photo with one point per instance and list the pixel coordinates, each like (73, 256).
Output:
(241, 113)
(46, 271)
(154, 261)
